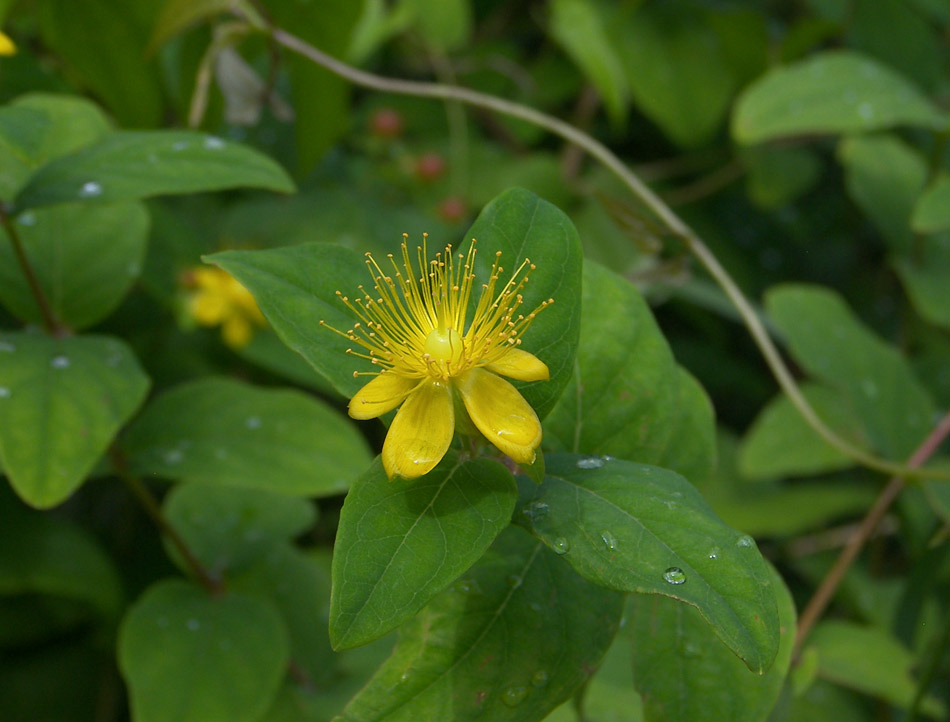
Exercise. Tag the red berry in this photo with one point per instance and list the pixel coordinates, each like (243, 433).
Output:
(430, 167)
(453, 209)
(387, 123)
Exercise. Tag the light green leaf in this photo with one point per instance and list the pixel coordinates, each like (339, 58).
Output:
(638, 528)
(400, 543)
(674, 63)
(827, 339)
(932, 210)
(578, 26)
(179, 15)
(86, 258)
(190, 657)
(926, 280)
(444, 24)
(228, 527)
(836, 91)
(41, 554)
(780, 443)
(130, 165)
(225, 432)
(691, 451)
(62, 400)
(871, 661)
(509, 643)
(683, 673)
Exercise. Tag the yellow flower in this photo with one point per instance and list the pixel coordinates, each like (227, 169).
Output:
(6, 45)
(219, 299)
(416, 330)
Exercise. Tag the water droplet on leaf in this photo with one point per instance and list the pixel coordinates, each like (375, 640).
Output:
(713, 553)
(193, 625)
(4, 392)
(7, 347)
(540, 678)
(213, 143)
(535, 510)
(610, 541)
(745, 541)
(252, 422)
(674, 575)
(591, 462)
(60, 362)
(90, 189)
(513, 696)
(561, 545)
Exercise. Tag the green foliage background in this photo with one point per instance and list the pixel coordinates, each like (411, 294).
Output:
(192, 531)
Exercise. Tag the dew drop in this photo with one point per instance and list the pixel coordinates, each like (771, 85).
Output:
(253, 422)
(535, 510)
(221, 454)
(469, 586)
(713, 553)
(26, 219)
(674, 575)
(540, 678)
(179, 145)
(513, 696)
(745, 541)
(610, 541)
(866, 111)
(591, 462)
(7, 347)
(193, 625)
(60, 362)
(172, 457)
(213, 143)
(514, 581)
(91, 189)
(4, 392)
(690, 650)
(404, 677)
(561, 545)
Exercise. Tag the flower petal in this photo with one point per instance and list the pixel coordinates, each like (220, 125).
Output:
(520, 365)
(382, 394)
(501, 414)
(421, 432)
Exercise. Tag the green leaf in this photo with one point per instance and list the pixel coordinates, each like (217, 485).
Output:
(884, 176)
(227, 528)
(86, 258)
(444, 24)
(521, 225)
(118, 71)
(638, 528)
(836, 91)
(925, 279)
(510, 642)
(683, 673)
(62, 400)
(827, 339)
(778, 176)
(692, 451)
(578, 26)
(226, 432)
(179, 15)
(130, 165)
(400, 543)
(190, 657)
(674, 63)
(781, 443)
(41, 554)
(624, 398)
(871, 661)
(932, 210)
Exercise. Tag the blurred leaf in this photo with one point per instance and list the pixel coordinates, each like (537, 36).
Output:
(870, 661)
(884, 176)
(85, 257)
(62, 400)
(130, 165)
(684, 673)
(579, 27)
(45, 555)
(780, 175)
(638, 528)
(266, 350)
(932, 210)
(190, 657)
(221, 431)
(927, 280)
(178, 15)
(692, 451)
(400, 543)
(826, 338)
(674, 64)
(625, 397)
(444, 24)
(117, 71)
(780, 442)
(227, 528)
(835, 91)
(510, 642)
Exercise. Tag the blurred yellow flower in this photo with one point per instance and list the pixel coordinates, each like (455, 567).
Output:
(6, 45)
(430, 358)
(218, 299)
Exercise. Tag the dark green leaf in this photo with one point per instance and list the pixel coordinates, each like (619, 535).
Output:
(508, 643)
(836, 91)
(683, 673)
(926, 279)
(638, 528)
(86, 258)
(190, 657)
(62, 400)
(932, 210)
(130, 165)
(226, 432)
(400, 543)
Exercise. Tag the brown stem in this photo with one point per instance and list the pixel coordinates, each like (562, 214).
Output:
(51, 323)
(214, 586)
(825, 593)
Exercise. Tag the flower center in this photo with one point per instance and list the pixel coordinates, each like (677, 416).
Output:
(444, 344)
